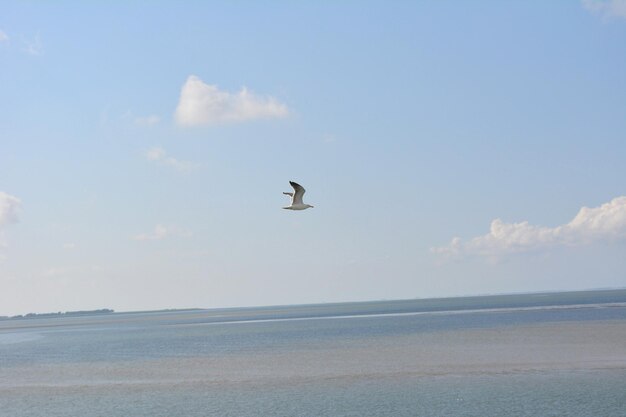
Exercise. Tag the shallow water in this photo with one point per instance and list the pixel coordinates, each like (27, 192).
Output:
(487, 356)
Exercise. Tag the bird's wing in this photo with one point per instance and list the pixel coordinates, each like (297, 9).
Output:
(299, 192)
(289, 194)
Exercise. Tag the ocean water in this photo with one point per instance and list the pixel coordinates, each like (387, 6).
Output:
(560, 354)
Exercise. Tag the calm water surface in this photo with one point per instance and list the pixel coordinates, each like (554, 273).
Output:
(524, 355)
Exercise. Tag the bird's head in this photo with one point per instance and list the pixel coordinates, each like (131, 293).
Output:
(308, 205)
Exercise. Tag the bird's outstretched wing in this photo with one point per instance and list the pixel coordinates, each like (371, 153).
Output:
(299, 192)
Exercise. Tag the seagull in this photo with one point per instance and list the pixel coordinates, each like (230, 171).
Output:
(296, 197)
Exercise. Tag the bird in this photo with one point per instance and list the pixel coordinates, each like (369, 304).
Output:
(296, 197)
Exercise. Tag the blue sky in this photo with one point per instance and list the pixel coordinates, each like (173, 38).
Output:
(449, 148)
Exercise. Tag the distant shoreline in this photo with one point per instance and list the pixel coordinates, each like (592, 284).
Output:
(436, 304)
(59, 314)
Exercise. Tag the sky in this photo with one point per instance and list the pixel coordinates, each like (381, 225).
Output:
(449, 148)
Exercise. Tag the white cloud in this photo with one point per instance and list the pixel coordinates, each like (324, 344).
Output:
(69, 246)
(162, 232)
(67, 271)
(55, 271)
(608, 8)
(158, 154)
(9, 206)
(147, 120)
(604, 223)
(3, 36)
(329, 138)
(204, 104)
(33, 47)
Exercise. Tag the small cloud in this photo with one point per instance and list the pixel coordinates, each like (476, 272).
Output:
(3, 36)
(69, 246)
(604, 223)
(67, 272)
(128, 114)
(329, 138)
(147, 121)
(204, 104)
(33, 47)
(607, 8)
(158, 154)
(9, 207)
(161, 232)
(54, 271)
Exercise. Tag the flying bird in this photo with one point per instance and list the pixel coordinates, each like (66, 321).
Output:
(296, 197)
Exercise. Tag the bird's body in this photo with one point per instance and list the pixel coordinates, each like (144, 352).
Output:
(296, 197)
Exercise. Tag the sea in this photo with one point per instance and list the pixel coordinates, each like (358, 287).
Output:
(549, 354)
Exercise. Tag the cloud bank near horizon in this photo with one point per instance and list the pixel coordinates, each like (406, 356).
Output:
(606, 222)
(203, 104)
